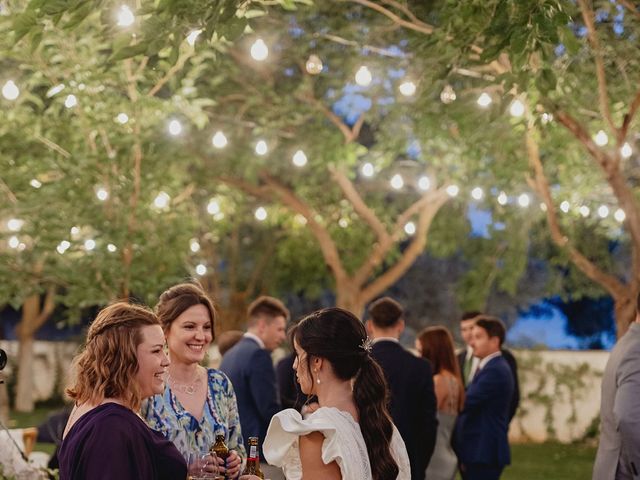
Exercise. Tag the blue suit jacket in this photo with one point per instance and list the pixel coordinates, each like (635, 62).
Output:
(250, 369)
(482, 426)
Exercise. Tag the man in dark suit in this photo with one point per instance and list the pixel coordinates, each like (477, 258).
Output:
(249, 366)
(481, 441)
(413, 401)
(469, 363)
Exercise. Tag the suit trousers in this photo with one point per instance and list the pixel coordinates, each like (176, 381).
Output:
(481, 471)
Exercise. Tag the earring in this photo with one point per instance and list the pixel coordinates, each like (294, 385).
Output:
(317, 378)
(318, 381)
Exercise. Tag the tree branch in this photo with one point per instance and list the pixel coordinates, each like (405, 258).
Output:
(52, 145)
(8, 192)
(628, 118)
(170, 73)
(415, 25)
(631, 7)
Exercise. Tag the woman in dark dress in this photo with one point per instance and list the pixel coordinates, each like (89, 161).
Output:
(122, 363)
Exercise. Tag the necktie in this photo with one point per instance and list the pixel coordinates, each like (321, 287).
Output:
(467, 368)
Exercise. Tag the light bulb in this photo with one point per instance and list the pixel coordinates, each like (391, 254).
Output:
(162, 200)
(261, 214)
(424, 183)
(626, 150)
(565, 206)
(397, 181)
(219, 140)
(547, 118)
(10, 90)
(75, 232)
(619, 215)
(15, 224)
(63, 246)
(453, 190)
(299, 159)
(314, 65)
(14, 242)
(477, 193)
(524, 200)
(484, 100)
(584, 211)
(89, 244)
(603, 211)
(516, 109)
(35, 183)
(201, 269)
(102, 194)
(407, 88)
(368, 170)
(410, 228)
(502, 198)
(261, 147)
(601, 138)
(448, 94)
(363, 76)
(112, 248)
(194, 246)
(125, 16)
(55, 90)
(213, 207)
(192, 37)
(71, 101)
(122, 118)
(343, 222)
(175, 127)
(259, 50)
(543, 207)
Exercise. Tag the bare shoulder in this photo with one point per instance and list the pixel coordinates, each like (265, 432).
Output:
(311, 458)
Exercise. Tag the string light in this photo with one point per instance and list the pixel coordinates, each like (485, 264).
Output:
(343, 222)
(543, 206)
(603, 211)
(410, 228)
(484, 100)
(363, 76)
(14, 242)
(407, 88)
(517, 108)
(162, 200)
(102, 194)
(565, 206)
(125, 16)
(448, 94)
(55, 90)
(601, 138)
(122, 118)
(619, 215)
(584, 211)
(15, 224)
(626, 150)
(112, 248)
(261, 147)
(300, 219)
(259, 50)
(299, 159)
(213, 207)
(477, 193)
(547, 118)
(397, 182)
(524, 200)
(10, 90)
(502, 198)
(89, 244)
(35, 183)
(201, 269)
(71, 101)
(453, 190)
(194, 245)
(193, 36)
(261, 214)
(367, 169)
(219, 140)
(75, 232)
(314, 65)
(175, 127)
(63, 246)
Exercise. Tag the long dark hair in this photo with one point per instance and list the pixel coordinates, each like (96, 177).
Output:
(339, 337)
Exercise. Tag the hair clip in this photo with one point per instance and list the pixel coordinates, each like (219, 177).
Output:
(366, 344)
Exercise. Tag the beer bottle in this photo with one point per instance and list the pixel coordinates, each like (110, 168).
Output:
(253, 460)
(220, 449)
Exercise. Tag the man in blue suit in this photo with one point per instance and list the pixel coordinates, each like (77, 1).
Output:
(481, 441)
(249, 366)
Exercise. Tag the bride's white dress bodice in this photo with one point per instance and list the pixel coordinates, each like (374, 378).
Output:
(343, 444)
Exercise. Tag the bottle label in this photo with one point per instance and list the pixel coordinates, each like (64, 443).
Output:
(253, 452)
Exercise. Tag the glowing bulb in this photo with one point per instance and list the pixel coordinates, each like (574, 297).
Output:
(15, 224)
(192, 37)
(502, 198)
(259, 50)
(89, 244)
(477, 193)
(299, 159)
(397, 182)
(63, 246)
(213, 207)
(162, 200)
(300, 219)
(14, 242)
(363, 76)
(543, 207)
(565, 206)
(10, 90)
(122, 118)
(453, 190)
(261, 214)
(424, 183)
(201, 269)
(584, 211)
(112, 248)
(601, 138)
(314, 65)
(368, 170)
(261, 147)
(547, 118)
(125, 16)
(75, 232)
(343, 222)
(407, 88)
(410, 228)
(55, 90)
(516, 109)
(524, 200)
(194, 246)
(71, 101)
(619, 215)
(626, 150)
(102, 194)
(35, 183)
(219, 140)
(448, 94)
(175, 127)
(484, 100)
(603, 211)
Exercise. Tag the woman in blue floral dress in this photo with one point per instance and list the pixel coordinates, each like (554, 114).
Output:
(197, 403)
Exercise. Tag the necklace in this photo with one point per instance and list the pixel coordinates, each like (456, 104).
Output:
(186, 388)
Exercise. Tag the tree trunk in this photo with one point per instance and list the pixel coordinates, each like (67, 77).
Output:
(350, 298)
(4, 402)
(625, 313)
(234, 315)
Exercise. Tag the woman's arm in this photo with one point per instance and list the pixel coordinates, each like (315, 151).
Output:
(313, 468)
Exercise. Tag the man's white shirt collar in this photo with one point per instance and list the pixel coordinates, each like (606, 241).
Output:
(254, 338)
(380, 339)
(486, 359)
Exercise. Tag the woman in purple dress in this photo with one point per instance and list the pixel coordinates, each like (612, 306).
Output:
(122, 363)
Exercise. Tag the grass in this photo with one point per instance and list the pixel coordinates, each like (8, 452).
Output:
(33, 419)
(550, 460)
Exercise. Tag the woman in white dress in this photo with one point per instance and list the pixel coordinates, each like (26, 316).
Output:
(436, 345)
(351, 435)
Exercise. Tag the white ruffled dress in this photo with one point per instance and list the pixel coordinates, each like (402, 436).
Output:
(343, 444)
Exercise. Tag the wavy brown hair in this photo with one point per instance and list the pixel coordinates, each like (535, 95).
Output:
(108, 364)
(179, 298)
(437, 347)
(339, 336)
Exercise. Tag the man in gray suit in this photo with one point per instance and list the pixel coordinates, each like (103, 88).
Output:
(618, 455)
